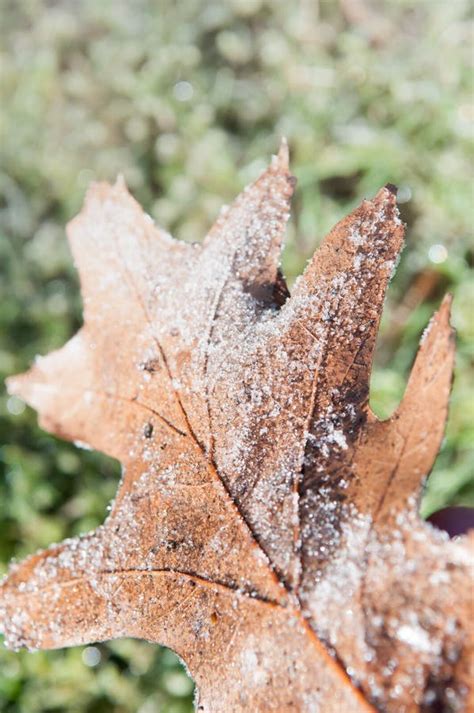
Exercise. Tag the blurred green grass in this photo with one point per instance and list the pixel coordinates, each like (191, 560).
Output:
(188, 100)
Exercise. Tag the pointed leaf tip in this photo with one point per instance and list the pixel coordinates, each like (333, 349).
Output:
(120, 183)
(100, 191)
(96, 193)
(434, 361)
(386, 203)
(14, 385)
(387, 196)
(444, 311)
(250, 232)
(28, 386)
(421, 416)
(407, 443)
(392, 188)
(440, 326)
(282, 160)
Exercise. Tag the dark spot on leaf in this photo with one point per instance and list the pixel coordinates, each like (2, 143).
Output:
(151, 365)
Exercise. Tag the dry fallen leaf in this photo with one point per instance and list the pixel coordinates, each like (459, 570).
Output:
(266, 527)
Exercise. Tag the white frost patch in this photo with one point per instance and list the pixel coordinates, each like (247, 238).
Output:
(416, 637)
(355, 236)
(338, 437)
(334, 595)
(83, 445)
(251, 669)
(426, 332)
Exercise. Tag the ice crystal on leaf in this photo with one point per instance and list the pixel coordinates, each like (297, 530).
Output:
(266, 524)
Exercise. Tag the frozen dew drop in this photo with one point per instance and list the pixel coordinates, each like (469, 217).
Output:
(437, 254)
(15, 406)
(183, 91)
(91, 656)
(404, 194)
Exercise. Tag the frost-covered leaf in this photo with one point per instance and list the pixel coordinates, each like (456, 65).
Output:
(266, 527)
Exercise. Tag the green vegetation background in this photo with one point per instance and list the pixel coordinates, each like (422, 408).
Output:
(189, 100)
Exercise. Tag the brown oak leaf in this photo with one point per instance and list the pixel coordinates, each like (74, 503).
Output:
(266, 526)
